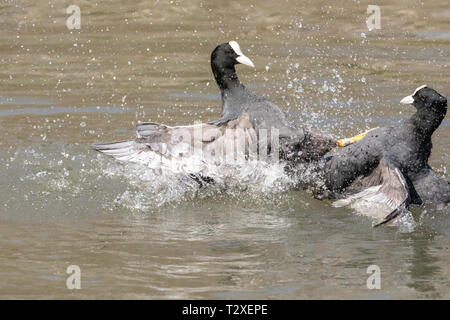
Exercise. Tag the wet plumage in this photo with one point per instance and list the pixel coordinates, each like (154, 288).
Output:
(390, 164)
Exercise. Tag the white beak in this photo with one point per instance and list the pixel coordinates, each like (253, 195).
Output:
(241, 57)
(410, 99)
(244, 60)
(407, 100)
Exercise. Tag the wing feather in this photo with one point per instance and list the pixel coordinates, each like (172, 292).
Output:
(385, 194)
(156, 141)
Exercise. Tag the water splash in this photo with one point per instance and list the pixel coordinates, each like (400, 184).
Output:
(57, 178)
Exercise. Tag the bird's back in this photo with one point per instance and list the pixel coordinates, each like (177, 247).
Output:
(263, 113)
(397, 143)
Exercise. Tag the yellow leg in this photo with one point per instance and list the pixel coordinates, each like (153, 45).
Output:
(347, 141)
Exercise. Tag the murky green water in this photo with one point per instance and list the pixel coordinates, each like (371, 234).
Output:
(138, 236)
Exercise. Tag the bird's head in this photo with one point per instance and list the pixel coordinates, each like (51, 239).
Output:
(427, 99)
(227, 55)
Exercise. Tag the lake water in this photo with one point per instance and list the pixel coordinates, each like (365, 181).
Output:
(136, 235)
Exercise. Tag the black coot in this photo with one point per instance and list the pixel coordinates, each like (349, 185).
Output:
(241, 110)
(390, 165)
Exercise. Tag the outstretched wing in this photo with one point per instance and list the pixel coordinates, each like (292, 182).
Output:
(184, 146)
(385, 194)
